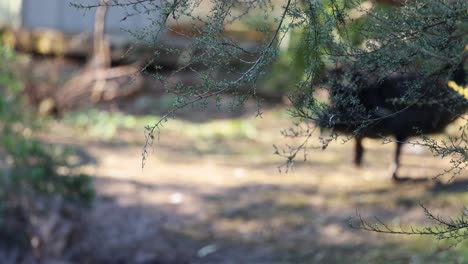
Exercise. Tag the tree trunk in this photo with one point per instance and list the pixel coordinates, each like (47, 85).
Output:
(101, 52)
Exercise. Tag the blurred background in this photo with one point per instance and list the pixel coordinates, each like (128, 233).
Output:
(73, 108)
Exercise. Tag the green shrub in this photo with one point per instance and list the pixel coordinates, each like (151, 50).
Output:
(33, 175)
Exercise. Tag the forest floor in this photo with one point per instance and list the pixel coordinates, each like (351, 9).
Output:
(211, 192)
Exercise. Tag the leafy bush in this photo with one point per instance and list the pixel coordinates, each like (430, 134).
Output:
(36, 180)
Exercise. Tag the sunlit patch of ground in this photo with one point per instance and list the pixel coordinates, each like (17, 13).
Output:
(212, 193)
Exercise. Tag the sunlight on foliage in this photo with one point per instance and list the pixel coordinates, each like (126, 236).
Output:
(463, 91)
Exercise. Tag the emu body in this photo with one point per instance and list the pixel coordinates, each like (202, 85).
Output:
(400, 105)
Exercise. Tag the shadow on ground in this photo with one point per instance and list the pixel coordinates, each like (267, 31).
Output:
(254, 223)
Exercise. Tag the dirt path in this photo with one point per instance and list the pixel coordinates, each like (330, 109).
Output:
(222, 200)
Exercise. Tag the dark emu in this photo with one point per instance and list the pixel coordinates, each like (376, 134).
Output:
(401, 105)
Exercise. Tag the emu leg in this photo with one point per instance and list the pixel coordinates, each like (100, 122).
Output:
(396, 159)
(358, 151)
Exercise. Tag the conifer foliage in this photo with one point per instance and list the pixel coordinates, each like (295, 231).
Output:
(344, 45)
